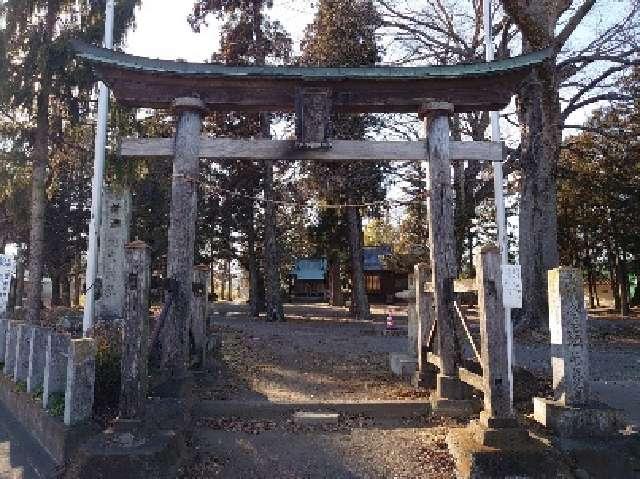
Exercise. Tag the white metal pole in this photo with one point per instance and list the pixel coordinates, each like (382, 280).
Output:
(498, 185)
(96, 183)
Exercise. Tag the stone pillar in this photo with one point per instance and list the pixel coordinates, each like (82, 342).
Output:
(572, 411)
(114, 234)
(23, 347)
(175, 334)
(199, 310)
(498, 407)
(569, 344)
(135, 345)
(412, 330)
(81, 372)
(37, 358)
(4, 326)
(442, 243)
(55, 368)
(11, 341)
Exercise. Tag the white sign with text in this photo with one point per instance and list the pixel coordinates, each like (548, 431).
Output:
(511, 286)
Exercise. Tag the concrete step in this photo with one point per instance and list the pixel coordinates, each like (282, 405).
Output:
(265, 410)
(21, 457)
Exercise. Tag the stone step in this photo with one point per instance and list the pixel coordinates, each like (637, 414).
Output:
(308, 418)
(262, 410)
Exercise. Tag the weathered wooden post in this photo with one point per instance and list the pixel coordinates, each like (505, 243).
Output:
(498, 407)
(424, 376)
(572, 412)
(495, 446)
(199, 310)
(175, 333)
(135, 344)
(442, 251)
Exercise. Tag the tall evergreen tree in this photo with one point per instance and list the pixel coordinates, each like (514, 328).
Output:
(343, 34)
(250, 38)
(45, 81)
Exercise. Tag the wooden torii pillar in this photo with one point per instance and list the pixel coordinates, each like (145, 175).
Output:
(182, 232)
(450, 391)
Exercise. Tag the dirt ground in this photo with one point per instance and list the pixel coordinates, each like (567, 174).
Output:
(320, 354)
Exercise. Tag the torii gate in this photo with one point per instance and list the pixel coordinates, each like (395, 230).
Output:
(192, 89)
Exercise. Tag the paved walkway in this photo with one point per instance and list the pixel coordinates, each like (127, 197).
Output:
(21, 457)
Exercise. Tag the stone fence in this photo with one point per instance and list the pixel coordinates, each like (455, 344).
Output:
(52, 364)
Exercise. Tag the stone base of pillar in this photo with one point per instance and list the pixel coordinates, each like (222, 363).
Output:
(571, 421)
(454, 398)
(451, 387)
(455, 407)
(114, 454)
(513, 454)
(426, 377)
(500, 434)
(403, 364)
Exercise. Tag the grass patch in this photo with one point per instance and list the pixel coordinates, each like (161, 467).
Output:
(38, 393)
(56, 404)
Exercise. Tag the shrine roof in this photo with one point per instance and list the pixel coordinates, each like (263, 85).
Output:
(146, 82)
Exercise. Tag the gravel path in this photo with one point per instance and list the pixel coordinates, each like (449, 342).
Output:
(305, 360)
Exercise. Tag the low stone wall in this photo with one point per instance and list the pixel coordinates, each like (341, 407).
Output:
(48, 385)
(60, 441)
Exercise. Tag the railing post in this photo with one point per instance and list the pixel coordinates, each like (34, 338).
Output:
(425, 375)
(135, 345)
(81, 373)
(494, 358)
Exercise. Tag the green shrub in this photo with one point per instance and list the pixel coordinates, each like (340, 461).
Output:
(56, 404)
(21, 386)
(38, 393)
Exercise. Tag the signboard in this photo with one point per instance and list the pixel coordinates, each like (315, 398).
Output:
(511, 286)
(7, 270)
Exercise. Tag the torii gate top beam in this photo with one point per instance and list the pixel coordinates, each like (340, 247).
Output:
(144, 82)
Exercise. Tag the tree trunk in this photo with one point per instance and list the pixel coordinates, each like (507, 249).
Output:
(539, 119)
(254, 282)
(223, 285)
(613, 279)
(359, 300)
(40, 159)
(65, 291)
(230, 279)
(335, 288)
(38, 178)
(623, 284)
(272, 265)
(56, 290)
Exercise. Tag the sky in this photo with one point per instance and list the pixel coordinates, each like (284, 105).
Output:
(162, 31)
